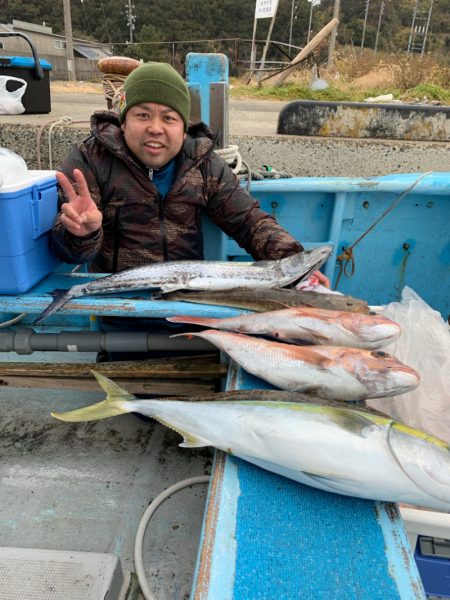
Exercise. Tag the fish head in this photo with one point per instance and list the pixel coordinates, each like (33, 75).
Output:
(382, 373)
(371, 328)
(302, 264)
(425, 459)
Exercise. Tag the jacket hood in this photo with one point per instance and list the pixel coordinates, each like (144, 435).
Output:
(105, 127)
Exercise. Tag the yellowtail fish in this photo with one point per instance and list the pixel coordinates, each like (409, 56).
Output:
(313, 325)
(336, 449)
(271, 299)
(333, 372)
(198, 275)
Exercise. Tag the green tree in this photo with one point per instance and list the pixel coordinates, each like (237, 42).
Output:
(147, 46)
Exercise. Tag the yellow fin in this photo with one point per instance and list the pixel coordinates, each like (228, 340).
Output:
(191, 441)
(113, 405)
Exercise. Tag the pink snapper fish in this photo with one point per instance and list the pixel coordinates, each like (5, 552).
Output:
(333, 372)
(313, 325)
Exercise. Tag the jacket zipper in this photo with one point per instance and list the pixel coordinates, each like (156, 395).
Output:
(162, 228)
(116, 239)
(162, 225)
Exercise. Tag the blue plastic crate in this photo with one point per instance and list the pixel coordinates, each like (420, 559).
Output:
(433, 566)
(27, 212)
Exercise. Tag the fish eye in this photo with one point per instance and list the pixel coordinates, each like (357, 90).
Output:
(380, 354)
(372, 312)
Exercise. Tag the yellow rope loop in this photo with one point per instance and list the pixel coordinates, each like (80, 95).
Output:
(346, 264)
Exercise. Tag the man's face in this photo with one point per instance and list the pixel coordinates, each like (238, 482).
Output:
(154, 133)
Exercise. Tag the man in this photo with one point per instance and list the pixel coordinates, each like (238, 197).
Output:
(134, 192)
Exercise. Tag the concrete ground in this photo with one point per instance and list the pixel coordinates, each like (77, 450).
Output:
(252, 127)
(84, 487)
(246, 117)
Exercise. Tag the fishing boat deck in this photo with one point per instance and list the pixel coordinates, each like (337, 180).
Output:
(266, 536)
(85, 487)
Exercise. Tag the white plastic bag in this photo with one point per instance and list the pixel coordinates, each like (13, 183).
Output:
(11, 102)
(423, 345)
(12, 167)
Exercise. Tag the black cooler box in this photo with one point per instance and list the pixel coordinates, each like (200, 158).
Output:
(34, 71)
(36, 98)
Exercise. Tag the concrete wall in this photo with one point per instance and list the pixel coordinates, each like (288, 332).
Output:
(85, 69)
(299, 156)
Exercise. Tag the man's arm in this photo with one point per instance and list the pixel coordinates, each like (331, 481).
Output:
(240, 216)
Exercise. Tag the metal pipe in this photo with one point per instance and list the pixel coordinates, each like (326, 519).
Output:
(27, 341)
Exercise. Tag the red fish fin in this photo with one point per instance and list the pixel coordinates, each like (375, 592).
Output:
(191, 320)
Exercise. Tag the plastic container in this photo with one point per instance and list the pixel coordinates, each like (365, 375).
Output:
(36, 98)
(27, 212)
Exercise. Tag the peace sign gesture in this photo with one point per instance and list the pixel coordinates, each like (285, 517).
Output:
(80, 215)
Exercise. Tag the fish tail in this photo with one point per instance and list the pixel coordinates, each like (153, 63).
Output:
(207, 322)
(114, 404)
(60, 298)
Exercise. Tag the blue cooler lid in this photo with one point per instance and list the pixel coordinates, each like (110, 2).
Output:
(24, 62)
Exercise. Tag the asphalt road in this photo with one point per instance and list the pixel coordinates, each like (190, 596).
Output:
(246, 117)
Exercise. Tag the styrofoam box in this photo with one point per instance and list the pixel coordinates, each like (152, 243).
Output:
(27, 212)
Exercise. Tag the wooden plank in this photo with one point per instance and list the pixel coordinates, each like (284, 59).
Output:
(188, 367)
(160, 387)
(304, 52)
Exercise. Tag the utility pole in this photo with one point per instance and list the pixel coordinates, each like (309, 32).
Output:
(290, 29)
(266, 47)
(379, 25)
(130, 19)
(69, 41)
(427, 28)
(337, 6)
(310, 21)
(366, 14)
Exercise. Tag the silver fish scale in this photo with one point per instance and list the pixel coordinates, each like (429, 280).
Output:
(181, 273)
(198, 275)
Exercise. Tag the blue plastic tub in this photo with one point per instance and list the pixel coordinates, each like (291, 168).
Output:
(27, 212)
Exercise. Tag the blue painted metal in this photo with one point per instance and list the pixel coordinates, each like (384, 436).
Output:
(410, 246)
(202, 70)
(293, 541)
(130, 304)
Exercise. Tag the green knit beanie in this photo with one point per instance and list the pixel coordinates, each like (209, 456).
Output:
(159, 83)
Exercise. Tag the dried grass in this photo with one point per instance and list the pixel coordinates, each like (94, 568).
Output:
(76, 87)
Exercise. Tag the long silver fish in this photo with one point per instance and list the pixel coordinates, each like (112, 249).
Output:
(340, 450)
(271, 299)
(198, 275)
(299, 325)
(333, 372)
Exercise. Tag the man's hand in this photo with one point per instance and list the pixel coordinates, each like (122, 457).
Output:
(80, 215)
(323, 279)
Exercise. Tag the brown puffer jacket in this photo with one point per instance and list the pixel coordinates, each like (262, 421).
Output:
(139, 226)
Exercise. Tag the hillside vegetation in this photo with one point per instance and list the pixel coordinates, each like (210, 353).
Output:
(357, 73)
(175, 20)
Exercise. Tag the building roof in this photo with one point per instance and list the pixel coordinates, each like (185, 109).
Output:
(90, 51)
